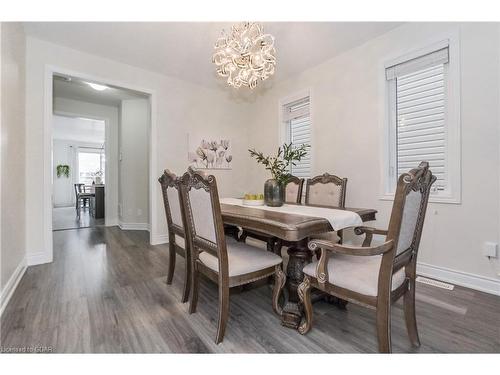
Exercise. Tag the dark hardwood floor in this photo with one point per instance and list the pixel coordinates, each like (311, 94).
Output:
(64, 218)
(106, 292)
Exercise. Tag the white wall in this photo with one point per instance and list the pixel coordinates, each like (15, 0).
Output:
(12, 199)
(180, 108)
(66, 152)
(111, 117)
(346, 112)
(134, 162)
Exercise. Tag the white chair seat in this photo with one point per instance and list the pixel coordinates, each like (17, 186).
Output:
(356, 273)
(242, 258)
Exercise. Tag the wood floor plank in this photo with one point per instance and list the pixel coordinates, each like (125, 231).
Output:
(105, 292)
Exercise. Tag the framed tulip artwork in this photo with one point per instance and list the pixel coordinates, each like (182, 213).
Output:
(209, 152)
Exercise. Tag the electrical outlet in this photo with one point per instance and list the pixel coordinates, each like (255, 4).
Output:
(490, 249)
(139, 212)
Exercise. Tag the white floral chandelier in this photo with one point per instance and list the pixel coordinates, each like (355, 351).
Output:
(245, 56)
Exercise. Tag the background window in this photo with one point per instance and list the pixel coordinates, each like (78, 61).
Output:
(297, 120)
(90, 162)
(420, 125)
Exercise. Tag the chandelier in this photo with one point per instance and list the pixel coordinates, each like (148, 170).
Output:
(245, 56)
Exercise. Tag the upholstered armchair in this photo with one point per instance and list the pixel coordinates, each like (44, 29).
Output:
(376, 275)
(223, 260)
(177, 243)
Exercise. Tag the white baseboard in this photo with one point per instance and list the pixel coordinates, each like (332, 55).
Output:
(64, 205)
(133, 226)
(159, 239)
(33, 259)
(12, 283)
(468, 280)
(111, 222)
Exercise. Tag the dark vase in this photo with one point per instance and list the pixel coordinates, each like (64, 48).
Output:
(274, 193)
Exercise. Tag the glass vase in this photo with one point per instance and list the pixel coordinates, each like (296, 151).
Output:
(274, 193)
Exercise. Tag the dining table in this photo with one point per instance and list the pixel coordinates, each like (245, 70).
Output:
(293, 225)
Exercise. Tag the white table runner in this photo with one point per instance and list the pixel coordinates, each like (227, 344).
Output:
(339, 219)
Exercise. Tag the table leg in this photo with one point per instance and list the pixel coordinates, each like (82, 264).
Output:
(298, 257)
(231, 230)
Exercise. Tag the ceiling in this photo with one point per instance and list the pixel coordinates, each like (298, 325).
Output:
(184, 49)
(78, 89)
(78, 129)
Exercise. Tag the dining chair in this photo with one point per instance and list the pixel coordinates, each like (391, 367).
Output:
(293, 189)
(177, 243)
(223, 260)
(82, 197)
(329, 191)
(376, 276)
(230, 230)
(293, 194)
(326, 190)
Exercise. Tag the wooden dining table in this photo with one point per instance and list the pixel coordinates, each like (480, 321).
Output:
(295, 231)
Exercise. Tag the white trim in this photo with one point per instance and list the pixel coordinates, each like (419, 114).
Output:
(46, 256)
(453, 138)
(47, 154)
(160, 239)
(282, 136)
(41, 257)
(134, 226)
(1, 142)
(465, 279)
(112, 223)
(64, 205)
(11, 285)
(109, 220)
(420, 51)
(498, 108)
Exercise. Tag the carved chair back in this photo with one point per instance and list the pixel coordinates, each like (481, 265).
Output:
(192, 170)
(172, 201)
(326, 190)
(204, 224)
(293, 189)
(407, 221)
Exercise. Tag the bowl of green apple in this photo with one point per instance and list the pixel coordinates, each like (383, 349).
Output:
(253, 200)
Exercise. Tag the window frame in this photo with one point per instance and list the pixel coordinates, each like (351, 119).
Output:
(90, 150)
(452, 120)
(283, 131)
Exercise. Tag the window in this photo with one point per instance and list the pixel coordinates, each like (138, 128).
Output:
(422, 122)
(90, 162)
(297, 119)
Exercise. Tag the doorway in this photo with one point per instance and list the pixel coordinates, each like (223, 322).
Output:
(78, 159)
(109, 177)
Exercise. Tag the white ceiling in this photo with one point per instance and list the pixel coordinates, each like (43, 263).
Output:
(184, 49)
(77, 89)
(78, 129)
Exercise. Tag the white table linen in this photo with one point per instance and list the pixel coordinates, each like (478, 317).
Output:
(338, 219)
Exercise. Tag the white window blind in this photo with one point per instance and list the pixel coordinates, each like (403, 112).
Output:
(418, 110)
(298, 128)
